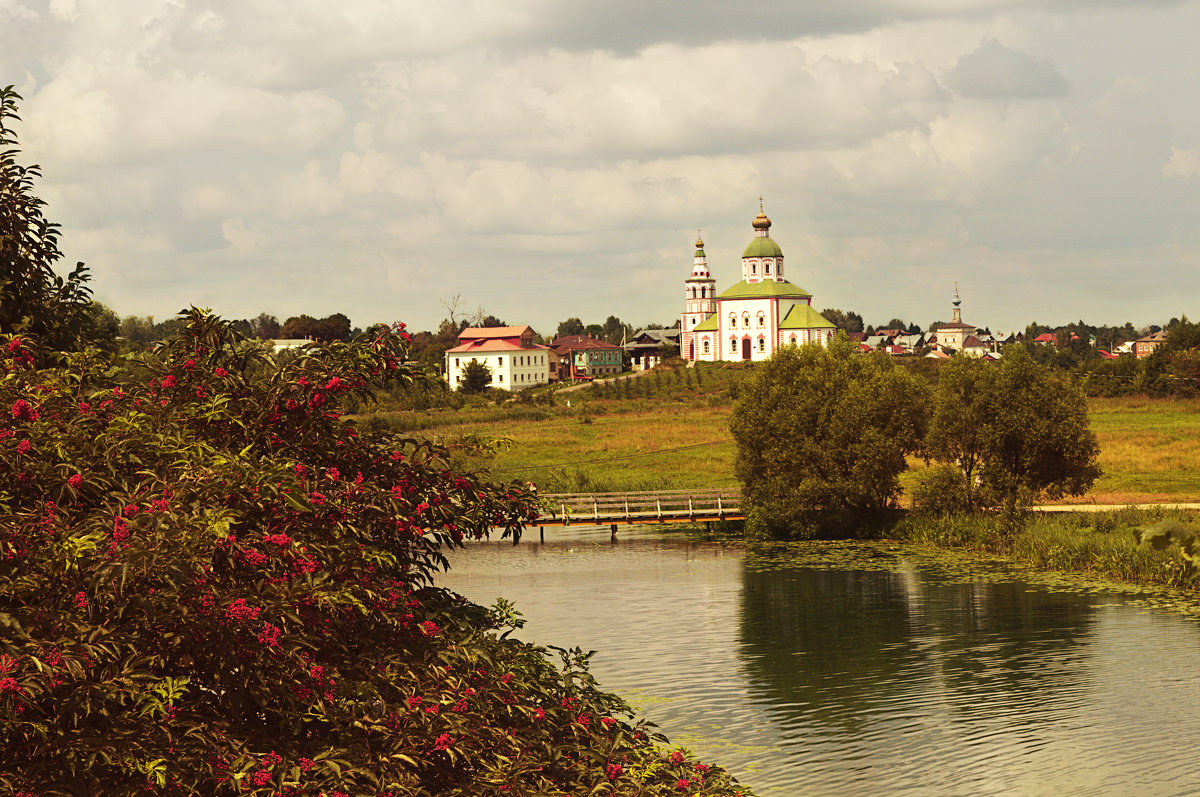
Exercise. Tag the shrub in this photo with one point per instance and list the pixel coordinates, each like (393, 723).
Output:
(211, 585)
(940, 490)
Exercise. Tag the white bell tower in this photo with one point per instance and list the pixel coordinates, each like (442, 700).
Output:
(700, 300)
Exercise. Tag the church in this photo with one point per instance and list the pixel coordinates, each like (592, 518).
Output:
(756, 316)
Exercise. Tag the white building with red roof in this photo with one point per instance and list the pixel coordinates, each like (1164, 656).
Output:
(516, 362)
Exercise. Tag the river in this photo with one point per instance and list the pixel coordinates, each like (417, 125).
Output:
(837, 668)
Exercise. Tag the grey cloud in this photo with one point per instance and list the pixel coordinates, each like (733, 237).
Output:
(628, 25)
(994, 71)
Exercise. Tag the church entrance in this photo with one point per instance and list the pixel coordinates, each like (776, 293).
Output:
(745, 348)
(691, 351)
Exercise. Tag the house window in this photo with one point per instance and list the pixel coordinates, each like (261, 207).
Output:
(762, 344)
(500, 362)
(706, 345)
(502, 377)
(455, 362)
(762, 320)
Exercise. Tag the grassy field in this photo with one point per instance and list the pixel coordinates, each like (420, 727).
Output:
(1149, 450)
(669, 430)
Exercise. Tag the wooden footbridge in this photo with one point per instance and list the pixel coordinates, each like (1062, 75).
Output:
(662, 506)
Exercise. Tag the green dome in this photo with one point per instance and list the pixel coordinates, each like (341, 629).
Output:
(762, 247)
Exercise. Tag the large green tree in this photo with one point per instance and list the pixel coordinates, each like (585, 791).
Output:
(35, 300)
(824, 429)
(1014, 430)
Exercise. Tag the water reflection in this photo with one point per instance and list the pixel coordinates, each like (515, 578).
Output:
(875, 674)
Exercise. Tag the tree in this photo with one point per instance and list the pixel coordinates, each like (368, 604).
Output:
(822, 429)
(266, 326)
(1015, 431)
(102, 325)
(34, 299)
(299, 327)
(614, 331)
(476, 377)
(333, 327)
(572, 326)
(454, 305)
(138, 331)
(848, 321)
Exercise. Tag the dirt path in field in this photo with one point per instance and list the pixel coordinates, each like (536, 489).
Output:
(1109, 507)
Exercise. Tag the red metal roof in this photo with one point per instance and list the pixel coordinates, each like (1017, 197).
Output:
(580, 343)
(491, 345)
(493, 332)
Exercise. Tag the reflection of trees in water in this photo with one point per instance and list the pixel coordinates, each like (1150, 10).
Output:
(836, 646)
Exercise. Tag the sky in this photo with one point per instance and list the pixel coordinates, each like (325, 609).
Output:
(541, 159)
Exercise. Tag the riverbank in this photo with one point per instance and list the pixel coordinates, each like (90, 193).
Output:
(1103, 545)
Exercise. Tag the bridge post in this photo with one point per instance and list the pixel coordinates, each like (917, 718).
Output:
(542, 532)
(613, 529)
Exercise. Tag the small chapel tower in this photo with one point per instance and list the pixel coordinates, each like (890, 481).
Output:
(700, 290)
(762, 261)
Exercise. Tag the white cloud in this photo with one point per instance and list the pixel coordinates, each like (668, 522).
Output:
(1183, 163)
(368, 158)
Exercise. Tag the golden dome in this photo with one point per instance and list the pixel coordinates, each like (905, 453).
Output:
(761, 222)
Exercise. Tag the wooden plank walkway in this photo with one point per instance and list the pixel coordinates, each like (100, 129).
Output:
(660, 506)
(702, 506)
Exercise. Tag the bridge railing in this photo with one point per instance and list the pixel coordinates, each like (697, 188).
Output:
(632, 507)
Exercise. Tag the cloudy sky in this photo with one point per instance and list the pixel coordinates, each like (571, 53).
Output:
(554, 158)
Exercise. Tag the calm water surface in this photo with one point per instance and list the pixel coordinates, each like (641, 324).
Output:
(867, 668)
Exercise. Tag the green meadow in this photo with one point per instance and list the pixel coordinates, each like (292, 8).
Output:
(669, 430)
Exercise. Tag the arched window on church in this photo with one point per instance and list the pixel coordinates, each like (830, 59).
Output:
(792, 339)
(762, 320)
(767, 267)
(733, 345)
(752, 268)
(733, 320)
(762, 344)
(705, 348)
(745, 320)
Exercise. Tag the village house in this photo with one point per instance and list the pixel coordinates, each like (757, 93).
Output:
(646, 347)
(515, 361)
(1145, 346)
(582, 356)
